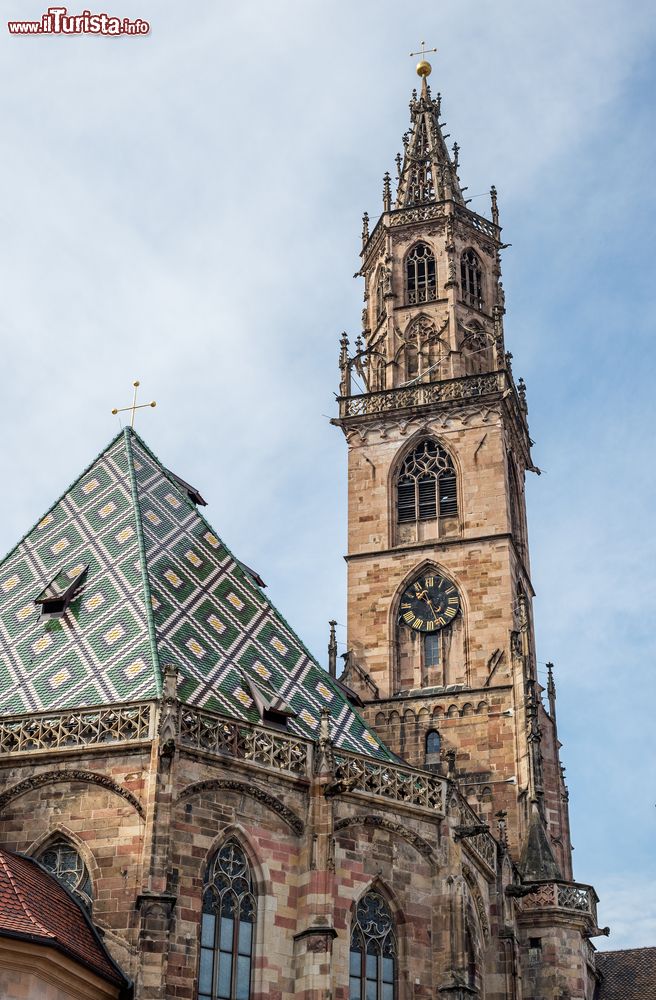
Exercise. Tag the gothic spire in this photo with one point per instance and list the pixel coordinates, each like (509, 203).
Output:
(428, 173)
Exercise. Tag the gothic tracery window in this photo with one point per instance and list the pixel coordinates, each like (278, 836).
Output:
(471, 279)
(227, 926)
(426, 484)
(62, 860)
(420, 275)
(372, 972)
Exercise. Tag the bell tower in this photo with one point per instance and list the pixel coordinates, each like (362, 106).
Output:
(440, 634)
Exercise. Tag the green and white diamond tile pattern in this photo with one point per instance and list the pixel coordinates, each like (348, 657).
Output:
(217, 626)
(161, 588)
(100, 652)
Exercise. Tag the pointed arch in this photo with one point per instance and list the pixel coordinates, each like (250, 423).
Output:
(425, 482)
(374, 947)
(422, 341)
(471, 279)
(59, 853)
(476, 349)
(228, 919)
(420, 270)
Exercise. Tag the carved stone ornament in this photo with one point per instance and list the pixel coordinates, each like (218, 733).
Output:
(276, 806)
(380, 823)
(55, 777)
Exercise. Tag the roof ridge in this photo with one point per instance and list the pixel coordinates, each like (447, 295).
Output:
(22, 902)
(59, 499)
(148, 602)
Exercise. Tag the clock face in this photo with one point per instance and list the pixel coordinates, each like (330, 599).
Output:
(430, 603)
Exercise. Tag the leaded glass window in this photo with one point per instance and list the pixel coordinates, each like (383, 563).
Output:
(431, 650)
(433, 742)
(372, 974)
(426, 484)
(227, 927)
(61, 858)
(420, 275)
(471, 280)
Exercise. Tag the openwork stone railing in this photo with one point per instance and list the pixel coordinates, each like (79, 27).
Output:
(571, 896)
(86, 727)
(482, 845)
(416, 788)
(217, 735)
(478, 222)
(422, 394)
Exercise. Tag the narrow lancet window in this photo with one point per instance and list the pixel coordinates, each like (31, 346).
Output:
(471, 280)
(373, 951)
(420, 275)
(227, 926)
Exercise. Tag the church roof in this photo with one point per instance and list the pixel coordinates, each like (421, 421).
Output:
(627, 975)
(34, 906)
(156, 586)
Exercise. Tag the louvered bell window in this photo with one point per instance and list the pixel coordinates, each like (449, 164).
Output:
(427, 479)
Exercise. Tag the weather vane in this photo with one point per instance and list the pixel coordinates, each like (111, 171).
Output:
(134, 406)
(423, 66)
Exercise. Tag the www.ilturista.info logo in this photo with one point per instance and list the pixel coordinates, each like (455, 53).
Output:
(57, 21)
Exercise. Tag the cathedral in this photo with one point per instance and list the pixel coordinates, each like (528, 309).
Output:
(192, 807)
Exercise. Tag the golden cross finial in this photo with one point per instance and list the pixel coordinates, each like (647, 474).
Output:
(423, 66)
(134, 406)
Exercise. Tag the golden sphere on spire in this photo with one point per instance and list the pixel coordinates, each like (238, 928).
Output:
(424, 68)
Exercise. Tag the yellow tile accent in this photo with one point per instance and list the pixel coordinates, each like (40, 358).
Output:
(308, 719)
(24, 612)
(211, 539)
(279, 646)
(12, 582)
(59, 678)
(155, 603)
(107, 509)
(94, 602)
(114, 634)
(324, 691)
(125, 534)
(193, 559)
(135, 668)
(152, 517)
(59, 546)
(175, 503)
(48, 519)
(235, 601)
(42, 643)
(217, 625)
(370, 740)
(263, 671)
(195, 647)
(241, 696)
(90, 486)
(173, 578)
(75, 572)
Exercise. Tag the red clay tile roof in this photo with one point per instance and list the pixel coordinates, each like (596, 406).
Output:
(34, 905)
(627, 975)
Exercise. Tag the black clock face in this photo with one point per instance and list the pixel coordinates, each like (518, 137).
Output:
(430, 603)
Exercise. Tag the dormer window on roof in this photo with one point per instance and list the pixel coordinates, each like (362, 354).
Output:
(191, 491)
(272, 708)
(61, 590)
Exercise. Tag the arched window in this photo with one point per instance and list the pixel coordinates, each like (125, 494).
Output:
(420, 275)
(373, 951)
(433, 742)
(426, 484)
(471, 279)
(61, 858)
(227, 925)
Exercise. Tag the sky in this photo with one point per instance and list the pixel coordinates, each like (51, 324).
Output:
(184, 207)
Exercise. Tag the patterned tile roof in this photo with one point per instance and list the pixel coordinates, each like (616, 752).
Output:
(161, 587)
(627, 975)
(34, 905)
